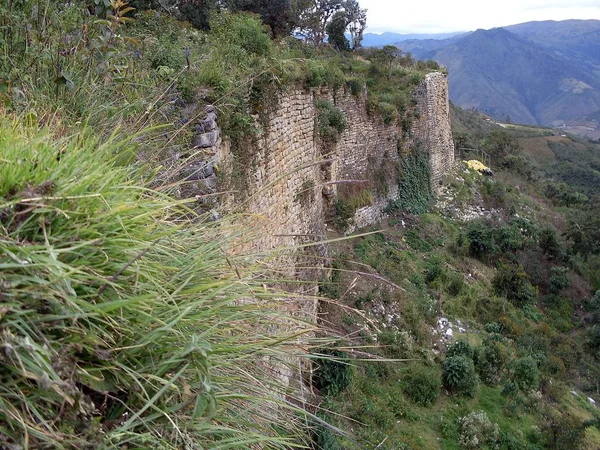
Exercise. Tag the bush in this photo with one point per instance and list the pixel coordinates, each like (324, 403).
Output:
(476, 431)
(492, 359)
(460, 348)
(330, 120)
(332, 375)
(512, 282)
(421, 384)
(459, 376)
(481, 239)
(558, 279)
(525, 373)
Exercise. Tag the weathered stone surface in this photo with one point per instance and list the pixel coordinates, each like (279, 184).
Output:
(198, 171)
(433, 126)
(207, 140)
(210, 122)
(367, 150)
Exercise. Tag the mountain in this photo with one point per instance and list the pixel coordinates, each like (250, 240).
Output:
(379, 40)
(541, 73)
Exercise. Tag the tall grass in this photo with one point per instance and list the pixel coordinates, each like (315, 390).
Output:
(125, 321)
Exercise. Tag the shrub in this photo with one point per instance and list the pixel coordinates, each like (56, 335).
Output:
(492, 359)
(434, 269)
(558, 279)
(481, 240)
(525, 373)
(476, 431)
(330, 121)
(512, 282)
(356, 86)
(459, 376)
(562, 431)
(460, 348)
(421, 384)
(397, 344)
(332, 375)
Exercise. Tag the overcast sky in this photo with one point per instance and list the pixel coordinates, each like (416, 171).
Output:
(440, 16)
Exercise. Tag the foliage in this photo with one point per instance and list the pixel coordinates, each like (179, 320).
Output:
(459, 376)
(558, 279)
(492, 359)
(476, 431)
(123, 321)
(421, 384)
(336, 29)
(460, 348)
(330, 120)
(562, 431)
(481, 240)
(525, 373)
(415, 194)
(512, 282)
(332, 374)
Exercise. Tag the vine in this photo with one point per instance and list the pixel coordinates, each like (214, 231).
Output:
(415, 194)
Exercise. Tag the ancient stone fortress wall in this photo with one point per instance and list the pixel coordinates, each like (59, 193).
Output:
(293, 180)
(432, 128)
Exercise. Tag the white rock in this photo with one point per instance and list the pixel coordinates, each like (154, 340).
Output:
(591, 400)
(461, 330)
(449, 333)
(575, 393)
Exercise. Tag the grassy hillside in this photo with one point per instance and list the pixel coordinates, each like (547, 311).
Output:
(504, 263)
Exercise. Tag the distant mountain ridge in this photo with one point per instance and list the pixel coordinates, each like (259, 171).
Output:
(388, 38)
(541, 73)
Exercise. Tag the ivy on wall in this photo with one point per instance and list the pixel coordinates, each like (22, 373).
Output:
(415, 194)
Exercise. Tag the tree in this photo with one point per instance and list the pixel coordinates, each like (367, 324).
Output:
(282, 16)
(356, 22)
(336, 29)
(315, 19)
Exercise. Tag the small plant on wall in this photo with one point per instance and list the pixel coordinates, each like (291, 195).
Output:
(331, 122)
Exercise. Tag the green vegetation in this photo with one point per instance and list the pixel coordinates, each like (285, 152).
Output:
(122, 320)
(519, 282)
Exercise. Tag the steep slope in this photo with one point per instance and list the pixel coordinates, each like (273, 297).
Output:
(508, 76)
(576, 40)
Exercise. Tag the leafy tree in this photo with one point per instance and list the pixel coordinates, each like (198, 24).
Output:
(356, 22)
(282, 16)
(336, 29)
(314, 20)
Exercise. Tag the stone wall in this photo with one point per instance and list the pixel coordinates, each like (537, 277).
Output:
(290, 190)
(285, 183)
(432, 129)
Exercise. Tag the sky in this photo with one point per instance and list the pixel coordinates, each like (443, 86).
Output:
(442, 16)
